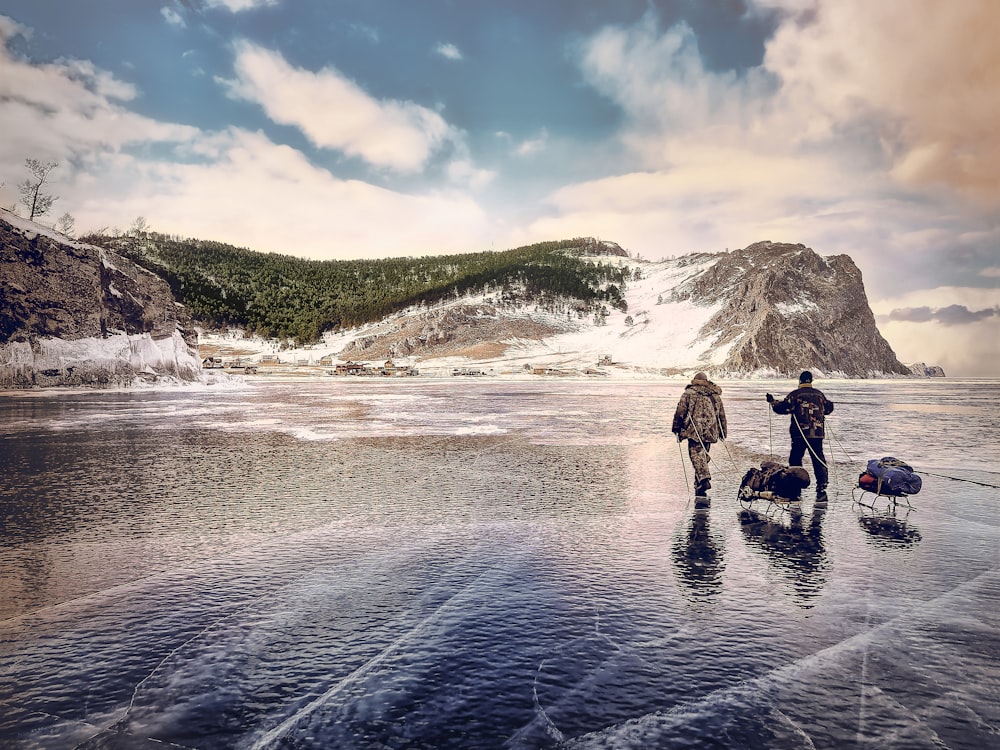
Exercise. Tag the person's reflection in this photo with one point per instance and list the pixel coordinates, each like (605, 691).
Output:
(794, 549)
(889, 530)
(698, 557)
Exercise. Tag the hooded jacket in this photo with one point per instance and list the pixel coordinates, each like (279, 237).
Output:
(700, 415)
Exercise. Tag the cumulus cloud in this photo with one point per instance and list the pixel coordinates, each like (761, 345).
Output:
(336, 113)
(661, 83)
(448, 51)
(68, 110)
(234, 185)
(241, 186)
(924, 75)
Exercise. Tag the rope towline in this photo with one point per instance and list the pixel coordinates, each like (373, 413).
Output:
(959, 479)
(702, 442)
(725, 445)
(919, 471)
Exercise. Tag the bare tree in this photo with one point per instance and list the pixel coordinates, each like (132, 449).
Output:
(37, 202)
(65, 224)
(139, 227)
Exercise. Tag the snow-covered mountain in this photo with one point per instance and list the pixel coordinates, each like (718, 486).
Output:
(75, 314)
(768, 309)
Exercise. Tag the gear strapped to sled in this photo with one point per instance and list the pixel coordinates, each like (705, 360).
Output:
(774, 483)
(887, 478)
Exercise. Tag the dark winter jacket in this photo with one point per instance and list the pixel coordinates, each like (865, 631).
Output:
(700, 415)
(808, 407)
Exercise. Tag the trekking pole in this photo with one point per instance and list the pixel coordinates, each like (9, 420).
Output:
(684, 467)
(770, 437)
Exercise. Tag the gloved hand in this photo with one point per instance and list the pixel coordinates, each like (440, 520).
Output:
(770, 398)
(679, 438)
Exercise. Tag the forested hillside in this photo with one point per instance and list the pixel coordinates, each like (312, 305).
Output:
(283, 296)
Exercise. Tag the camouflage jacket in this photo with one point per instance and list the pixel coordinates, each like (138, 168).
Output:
(700, 415)
(808, 408)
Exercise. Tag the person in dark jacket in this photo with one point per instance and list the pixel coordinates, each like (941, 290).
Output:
(701, 420)
(808, 408)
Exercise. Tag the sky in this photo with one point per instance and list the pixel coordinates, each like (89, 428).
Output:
(339, 129)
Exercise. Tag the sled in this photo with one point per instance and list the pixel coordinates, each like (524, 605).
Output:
(879, 500)
(771, 503)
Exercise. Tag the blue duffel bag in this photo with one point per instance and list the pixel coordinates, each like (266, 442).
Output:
(894, 477)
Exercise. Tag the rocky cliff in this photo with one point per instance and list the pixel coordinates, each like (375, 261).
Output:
(74, 314)
(784, 307)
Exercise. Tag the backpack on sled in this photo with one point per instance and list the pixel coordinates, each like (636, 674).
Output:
(773, 481)
(890, 476)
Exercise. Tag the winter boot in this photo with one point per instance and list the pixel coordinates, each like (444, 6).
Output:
(821, 493)
(701, 488)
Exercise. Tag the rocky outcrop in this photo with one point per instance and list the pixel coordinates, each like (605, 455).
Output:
(458, 330)
(75, 314)
(926, 371)
(783, 308)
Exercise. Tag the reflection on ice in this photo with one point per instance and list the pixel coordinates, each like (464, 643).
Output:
(698, 557)
(889, 529)
(449, 566)
(793, 547)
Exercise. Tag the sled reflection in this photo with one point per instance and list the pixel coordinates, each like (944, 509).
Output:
(793, 548)
(698, 557)
(889, 528)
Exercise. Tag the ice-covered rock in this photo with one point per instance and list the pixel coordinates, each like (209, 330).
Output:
(75, 314)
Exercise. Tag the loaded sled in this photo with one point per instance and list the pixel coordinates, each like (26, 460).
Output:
(886, 483)
(775, 486)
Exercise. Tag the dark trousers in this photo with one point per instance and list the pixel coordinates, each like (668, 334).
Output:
(815, 447)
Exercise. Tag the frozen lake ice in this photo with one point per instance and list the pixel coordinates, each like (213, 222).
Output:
(489, 563)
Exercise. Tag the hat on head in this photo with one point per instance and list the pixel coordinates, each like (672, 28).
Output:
(700, 376)
(806, 377)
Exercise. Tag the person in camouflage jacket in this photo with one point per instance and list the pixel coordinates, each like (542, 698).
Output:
(700, 418)
(808, 408)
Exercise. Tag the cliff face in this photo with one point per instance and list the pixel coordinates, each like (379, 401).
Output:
(74, 314)
(783, 307)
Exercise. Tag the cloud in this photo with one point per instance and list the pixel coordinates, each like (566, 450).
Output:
(241, 186)
(922, 75)
(952, 315)
(364, 31)
(9, 28)
(970, 350)
(172, 17)
(532, 145)
(334, 112)
(993, 272)
(955, 327)
(238, 6)
(69, 110)
(235, 185)
(448, 51)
